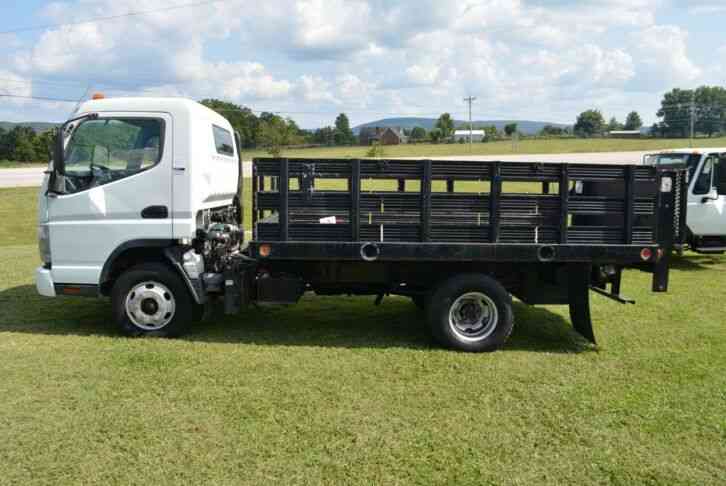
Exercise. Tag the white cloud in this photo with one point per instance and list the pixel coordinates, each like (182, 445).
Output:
(331, 26)
(542, 58)
(706, 7)
(316, 89)
(245, 80)
(423, 74)
(663, 57)
(14, 85)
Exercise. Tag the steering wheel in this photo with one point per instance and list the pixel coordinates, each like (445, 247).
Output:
(102, 167)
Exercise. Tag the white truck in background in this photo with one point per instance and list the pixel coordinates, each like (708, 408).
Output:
(706, 214)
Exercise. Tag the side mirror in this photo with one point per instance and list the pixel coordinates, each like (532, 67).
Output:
(58, 162)
(56, 183)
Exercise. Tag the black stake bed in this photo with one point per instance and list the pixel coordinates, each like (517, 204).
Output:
(443, 210)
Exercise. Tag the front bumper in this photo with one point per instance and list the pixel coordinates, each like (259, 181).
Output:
(44, 282)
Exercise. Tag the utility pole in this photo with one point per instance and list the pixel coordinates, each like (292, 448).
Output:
(470, 100)
(693, 115)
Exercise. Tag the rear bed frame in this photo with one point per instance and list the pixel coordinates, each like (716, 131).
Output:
(574, 230)
(606, 214)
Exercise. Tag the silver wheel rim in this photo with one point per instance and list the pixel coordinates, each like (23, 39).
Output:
(473, 316)
(150, 305)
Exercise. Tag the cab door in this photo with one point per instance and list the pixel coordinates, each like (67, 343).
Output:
(118, 188)
(707, 197)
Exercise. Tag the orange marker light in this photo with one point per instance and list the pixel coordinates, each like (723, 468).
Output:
(265, 250)
(98, 96)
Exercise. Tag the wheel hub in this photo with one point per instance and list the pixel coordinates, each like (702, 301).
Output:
(473, 316)
(150, 305)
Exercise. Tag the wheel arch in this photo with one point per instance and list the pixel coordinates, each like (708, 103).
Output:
(128, 254)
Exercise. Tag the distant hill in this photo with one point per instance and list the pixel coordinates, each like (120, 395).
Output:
(37, 126)
(528, 127)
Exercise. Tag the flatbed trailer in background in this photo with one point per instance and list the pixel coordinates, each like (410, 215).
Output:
(326, 226)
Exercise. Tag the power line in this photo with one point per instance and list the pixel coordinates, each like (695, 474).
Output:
(41, 98)
(110, 17)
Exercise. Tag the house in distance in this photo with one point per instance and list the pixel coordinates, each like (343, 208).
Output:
(625, 134)
(476, 135)
(382, 135)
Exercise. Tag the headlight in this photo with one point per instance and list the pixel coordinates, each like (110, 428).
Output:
(44, 243)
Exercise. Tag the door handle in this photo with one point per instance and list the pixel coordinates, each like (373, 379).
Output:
(155, 212)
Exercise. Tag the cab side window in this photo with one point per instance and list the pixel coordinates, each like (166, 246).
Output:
(704, 182)
(223, 142)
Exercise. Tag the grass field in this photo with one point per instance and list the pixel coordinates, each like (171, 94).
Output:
(504, 147)
(338, 391)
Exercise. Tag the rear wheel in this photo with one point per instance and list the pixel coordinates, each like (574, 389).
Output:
(152, 300)
(471, 312)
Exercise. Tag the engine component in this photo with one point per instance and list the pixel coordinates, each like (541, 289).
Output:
(193, 264)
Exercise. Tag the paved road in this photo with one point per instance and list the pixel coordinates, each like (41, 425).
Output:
(29, 177)
(33, 176)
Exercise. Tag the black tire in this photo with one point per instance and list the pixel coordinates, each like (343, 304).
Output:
(165, 285)
(482, 299)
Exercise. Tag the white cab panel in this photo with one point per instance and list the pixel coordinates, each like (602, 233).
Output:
(87, 226)
(706, 207)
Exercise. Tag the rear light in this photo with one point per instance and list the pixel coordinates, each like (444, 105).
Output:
(646, 254)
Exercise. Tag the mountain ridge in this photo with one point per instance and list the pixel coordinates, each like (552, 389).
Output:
(528, 127)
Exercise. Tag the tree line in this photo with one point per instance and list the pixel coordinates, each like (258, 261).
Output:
(272, 132)
(682, 111)
(23, 144)
(592, 123)
(702, 110)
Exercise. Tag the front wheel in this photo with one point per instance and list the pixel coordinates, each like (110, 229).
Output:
(471, 312)
(152, 300)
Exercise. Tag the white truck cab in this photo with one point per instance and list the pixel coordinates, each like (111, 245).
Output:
(706, 215)
(131, 179)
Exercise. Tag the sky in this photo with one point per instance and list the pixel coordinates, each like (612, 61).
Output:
(544, 60)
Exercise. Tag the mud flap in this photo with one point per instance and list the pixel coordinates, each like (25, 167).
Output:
(578, 279)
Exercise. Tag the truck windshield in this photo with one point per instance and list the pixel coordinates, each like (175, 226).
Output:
(691, 161)
(108, 149)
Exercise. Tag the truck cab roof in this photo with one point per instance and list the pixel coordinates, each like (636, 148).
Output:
(177, 107)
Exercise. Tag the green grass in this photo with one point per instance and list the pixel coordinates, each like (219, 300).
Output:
(338, 391)
(505, 147)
